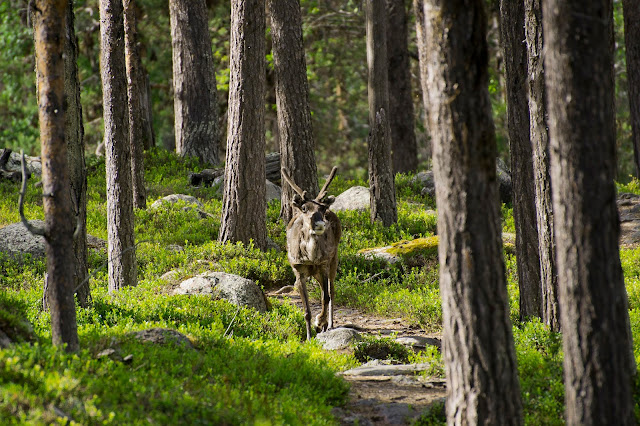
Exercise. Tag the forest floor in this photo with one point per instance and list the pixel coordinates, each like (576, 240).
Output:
(381, 400)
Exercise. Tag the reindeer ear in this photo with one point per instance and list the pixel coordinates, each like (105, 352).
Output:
(329, 200)
(297, 201)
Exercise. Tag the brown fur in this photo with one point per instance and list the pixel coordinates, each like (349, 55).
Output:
(313, 235)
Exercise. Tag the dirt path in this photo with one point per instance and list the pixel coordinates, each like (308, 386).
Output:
(380, 399)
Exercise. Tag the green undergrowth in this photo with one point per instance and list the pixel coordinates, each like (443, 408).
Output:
(245, 367)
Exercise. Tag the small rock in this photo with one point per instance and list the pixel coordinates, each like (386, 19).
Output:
(274, 192)
(162, 336)
(338, 338)
(233, 288)
(170, 276)
(387, 370)
(110, 353)
(419, 342)
(354, 198)
(174, 198)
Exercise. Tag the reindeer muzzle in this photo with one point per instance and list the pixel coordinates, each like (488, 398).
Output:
(318, 227)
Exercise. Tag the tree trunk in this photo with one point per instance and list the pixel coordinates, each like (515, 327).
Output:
(194, 82)
(401, 117)
(421, 37)
(478, 347)
(120, 219)
(74, 134)
(381, 181)
(244, 206)
(631, 11)
(292, 97)
(599, 365)
(134, 95)
(49, 34)
(524, 194)
(540, 147)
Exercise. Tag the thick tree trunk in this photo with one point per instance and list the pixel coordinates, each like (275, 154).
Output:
(401, 117)
(479, 354)
(49, 34)
(540, 146)
(244, 205)
(194, 82)
(381, 181)
(120, 219)
(524, 194)
(423, 58)
(135, 80)
(292, 97)
(599, 364)
(74, 134)
(631, 11)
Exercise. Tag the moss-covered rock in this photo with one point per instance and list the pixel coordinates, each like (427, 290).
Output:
(421, 251)
(418, 252)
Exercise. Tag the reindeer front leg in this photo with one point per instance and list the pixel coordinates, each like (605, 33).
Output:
(320, 322)
(333, 269)
(301, 286)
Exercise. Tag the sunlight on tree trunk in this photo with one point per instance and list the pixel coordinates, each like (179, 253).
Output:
(49, 34)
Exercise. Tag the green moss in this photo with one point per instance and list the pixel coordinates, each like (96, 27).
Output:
(426, 247)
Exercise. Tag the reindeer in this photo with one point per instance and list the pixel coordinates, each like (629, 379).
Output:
(313, 235)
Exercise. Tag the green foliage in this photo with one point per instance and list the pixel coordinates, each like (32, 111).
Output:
(383, 348)
(18, 109)
(246, 366)
(435, 415)
(539, 354)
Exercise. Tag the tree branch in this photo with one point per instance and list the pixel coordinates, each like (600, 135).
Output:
(33, 229)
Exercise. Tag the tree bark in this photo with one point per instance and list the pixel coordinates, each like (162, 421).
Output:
(524, 194)
(49, 35)
(401, 117)
(423, 58)
(631, 11)
(135, 87)
(540, 146)
(292, 98)
(194, 82)
(599, 365)
(478, 347)
(244, 205)
(381, 181)
(120, 218)
(74, 134)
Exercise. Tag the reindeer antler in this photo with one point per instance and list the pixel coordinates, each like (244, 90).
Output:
(285, 175)
(323, 191)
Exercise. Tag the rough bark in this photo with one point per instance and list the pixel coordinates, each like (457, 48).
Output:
(74, 134)
(244, 206)
(120, 218)
(292, 98)
(423, 58)
(631, 12)
(599, 365)
(135, 87)
(540, 148)
(401, 117)
(381, 181)
(524, 194)
(194, 82)
(479, 354)
(49, 34)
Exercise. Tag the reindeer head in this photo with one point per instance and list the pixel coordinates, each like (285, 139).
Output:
(312, 210)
